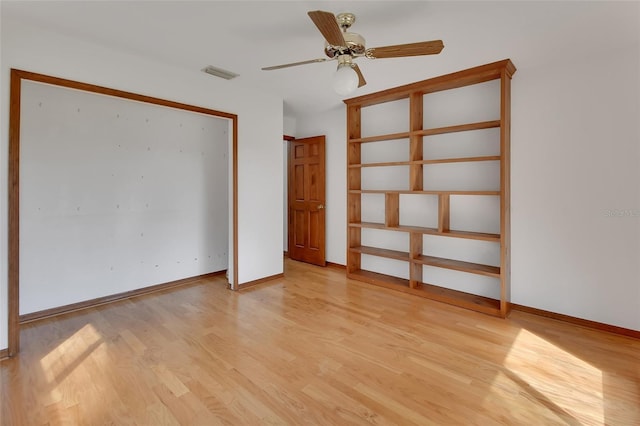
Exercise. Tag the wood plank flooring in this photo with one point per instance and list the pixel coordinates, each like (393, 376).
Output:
(314, 348)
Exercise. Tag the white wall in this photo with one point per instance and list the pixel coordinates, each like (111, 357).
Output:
(260, 121)
(575, 167)
(575, 186)
(289, 126)
(116, 195)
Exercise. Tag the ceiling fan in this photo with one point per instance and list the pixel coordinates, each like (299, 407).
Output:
(345, 46)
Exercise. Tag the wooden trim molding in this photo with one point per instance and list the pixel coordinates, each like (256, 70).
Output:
(34, 316)
(234, 280)
(288, 138)
(578, 321)
(454, 80)
(14, 214)
(17, 76)
(337, 266)
(254, 283)
(77, 85)
(4, 354)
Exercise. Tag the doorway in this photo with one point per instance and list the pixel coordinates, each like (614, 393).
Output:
(130, 206)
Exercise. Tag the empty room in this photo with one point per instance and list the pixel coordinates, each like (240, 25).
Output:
(320, 212)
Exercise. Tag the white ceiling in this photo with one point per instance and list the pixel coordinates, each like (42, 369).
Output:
(243, 36)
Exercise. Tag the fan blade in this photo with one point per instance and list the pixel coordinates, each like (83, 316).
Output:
(293, 64)
(328, 26)
(361, 79)
(412, 49)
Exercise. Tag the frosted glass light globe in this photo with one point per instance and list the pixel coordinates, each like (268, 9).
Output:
(345, 80)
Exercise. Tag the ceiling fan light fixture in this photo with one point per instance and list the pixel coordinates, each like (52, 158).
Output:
(345, 80)
(345, 46)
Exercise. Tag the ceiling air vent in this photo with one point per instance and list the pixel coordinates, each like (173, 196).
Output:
(219, 72)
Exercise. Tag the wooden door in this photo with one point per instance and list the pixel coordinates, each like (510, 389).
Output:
(307, 200)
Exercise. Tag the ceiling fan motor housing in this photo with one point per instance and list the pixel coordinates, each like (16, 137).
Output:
(355, 46)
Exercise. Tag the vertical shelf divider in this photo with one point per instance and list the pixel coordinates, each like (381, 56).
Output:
(354, 182)
(415, 147)
(416, 123)
(444, 216)
(415, 268)
(392, 209)
(505, 188)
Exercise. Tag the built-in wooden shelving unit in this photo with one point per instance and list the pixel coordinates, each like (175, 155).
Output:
(418, 163)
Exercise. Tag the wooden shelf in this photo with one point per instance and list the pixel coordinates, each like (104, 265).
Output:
(471, 235)
(375, 251)
(427, 192)
(386, 164)
(382, 280)
(388, 137)
(459, 298)
(429, 231)
(434, 161)
(452, 297)
(370, 225)
(459, 265)
(459, 128)
(503, 69)
(460, 160)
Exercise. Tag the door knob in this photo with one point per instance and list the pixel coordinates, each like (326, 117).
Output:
(320, 206)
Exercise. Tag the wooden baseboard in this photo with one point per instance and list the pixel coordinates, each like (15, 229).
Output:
(336, 266)
(328, 264)
(285, 253)
(578, 321)
(34, 316)
(4, 354)
(260, 281)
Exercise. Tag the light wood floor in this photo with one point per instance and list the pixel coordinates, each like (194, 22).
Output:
(314, 348)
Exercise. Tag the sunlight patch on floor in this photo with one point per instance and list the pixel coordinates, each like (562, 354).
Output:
(62, 361)
(574, 394)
